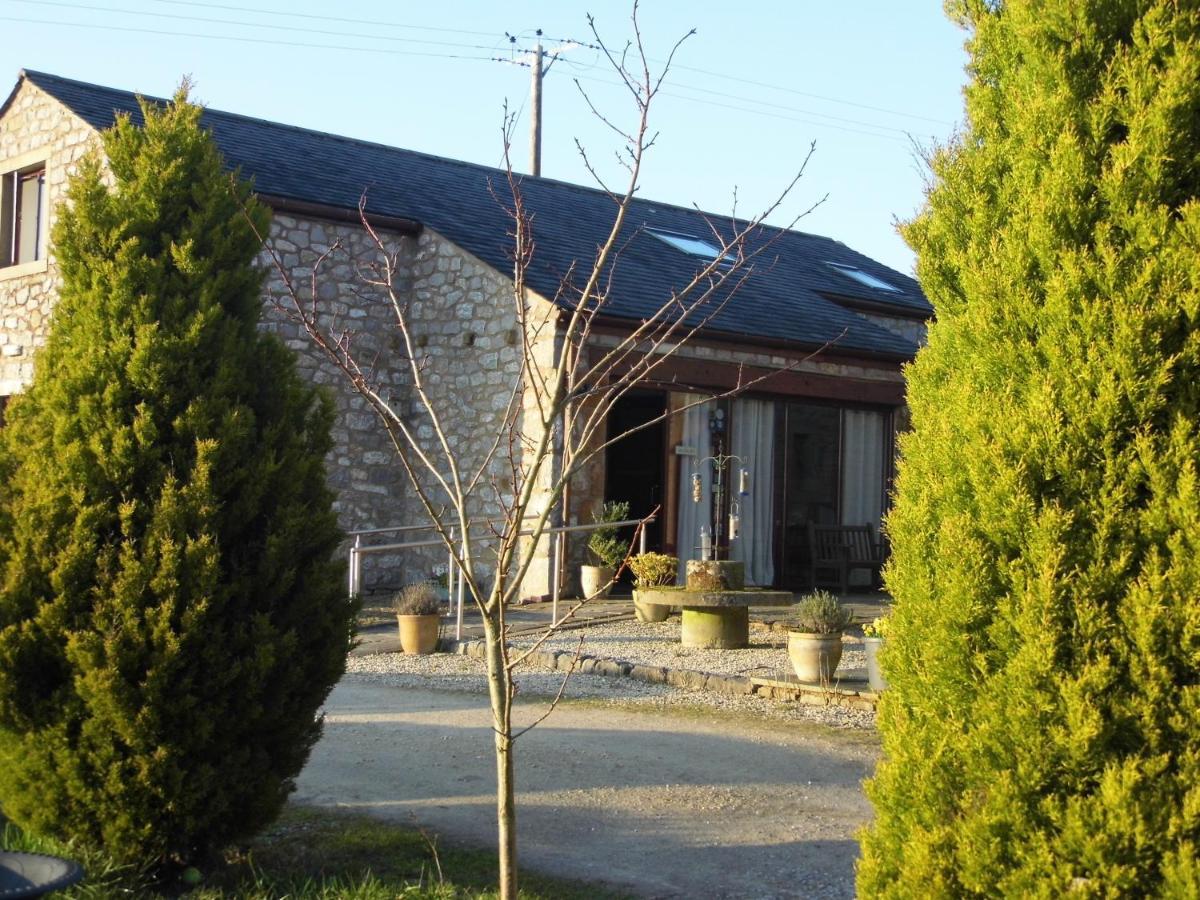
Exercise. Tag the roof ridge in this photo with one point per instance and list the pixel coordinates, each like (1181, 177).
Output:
(640, 201)
(788, 301)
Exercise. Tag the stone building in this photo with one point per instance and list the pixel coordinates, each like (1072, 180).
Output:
(833, 325)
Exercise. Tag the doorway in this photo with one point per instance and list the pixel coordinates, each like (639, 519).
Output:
(811, 437)
(634, 465)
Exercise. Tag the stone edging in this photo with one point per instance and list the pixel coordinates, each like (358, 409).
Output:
(735, 685)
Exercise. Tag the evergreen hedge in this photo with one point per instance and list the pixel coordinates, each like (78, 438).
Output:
(1042, 729)
(171, 614)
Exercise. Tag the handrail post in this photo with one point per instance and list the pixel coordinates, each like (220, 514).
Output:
(458, 628)
(556, 540)
(642, 537)
(451, 573)
(355, 566)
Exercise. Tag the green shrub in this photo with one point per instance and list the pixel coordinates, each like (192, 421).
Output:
(821, 613)
(171, 617)
(1041, 731)
(654, 569)
(607, 548)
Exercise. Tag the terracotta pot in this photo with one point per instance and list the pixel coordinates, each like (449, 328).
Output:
(419, 634)
(650, 612)
(814, 657)
(874, 674)
(596, 581)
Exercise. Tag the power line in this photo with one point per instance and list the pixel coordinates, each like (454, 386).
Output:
(789, 90)
(696, 69)
(807, 112)
(343, 20)
(897, 132)
(761, 112)
(276, 27)
(391, 51)
(775, 87)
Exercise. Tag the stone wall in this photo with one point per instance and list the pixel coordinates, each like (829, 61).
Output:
(463, 333)
(464, 328)
(913, 329)
(36, 128)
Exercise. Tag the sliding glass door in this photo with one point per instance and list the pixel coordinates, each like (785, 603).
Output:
(833, 470)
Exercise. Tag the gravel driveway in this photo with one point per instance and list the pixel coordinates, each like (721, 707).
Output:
(632, 784)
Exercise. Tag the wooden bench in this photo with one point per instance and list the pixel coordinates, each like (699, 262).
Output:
(836, 550)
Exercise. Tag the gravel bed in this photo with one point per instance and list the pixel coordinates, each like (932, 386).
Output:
(454, 672)
(657, 644)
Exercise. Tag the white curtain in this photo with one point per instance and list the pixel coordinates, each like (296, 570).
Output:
(752, 438)
(862, 467)
(692, 515)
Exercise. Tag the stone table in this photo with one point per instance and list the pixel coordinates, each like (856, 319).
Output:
(715, 603)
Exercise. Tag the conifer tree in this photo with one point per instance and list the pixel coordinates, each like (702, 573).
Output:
(1042, 730)
(171, 616)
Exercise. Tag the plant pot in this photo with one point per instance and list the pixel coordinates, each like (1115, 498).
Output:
(650, 612)
(872, 646)
(814, 657)
(596, 581)
(419, 634)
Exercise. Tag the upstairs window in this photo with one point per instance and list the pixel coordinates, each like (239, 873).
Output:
(692, 246)
(22, 216)
(864, 278)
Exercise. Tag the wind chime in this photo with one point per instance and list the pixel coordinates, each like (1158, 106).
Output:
(714, 544)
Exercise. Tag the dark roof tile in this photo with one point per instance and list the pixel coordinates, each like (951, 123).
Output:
(787, 298)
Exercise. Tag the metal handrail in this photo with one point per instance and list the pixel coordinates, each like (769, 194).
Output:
(358, 550)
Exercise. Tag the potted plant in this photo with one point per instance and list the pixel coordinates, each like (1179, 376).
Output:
(652, 570)
(606, 549)
(873, 636)
(815, 641)
(418, 612)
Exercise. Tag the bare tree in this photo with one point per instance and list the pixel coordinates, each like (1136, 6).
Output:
(564, 384)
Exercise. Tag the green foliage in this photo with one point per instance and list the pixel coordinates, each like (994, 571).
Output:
(654, 569)
(820, 613)
(1042, 727)
(171, 617)
(313, 854)
(606, 547)
(877, 627)
(419, 599)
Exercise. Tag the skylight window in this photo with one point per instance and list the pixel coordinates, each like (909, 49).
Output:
(692, 246)
(863, 277)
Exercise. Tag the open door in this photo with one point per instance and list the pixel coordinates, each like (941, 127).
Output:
(634, 466)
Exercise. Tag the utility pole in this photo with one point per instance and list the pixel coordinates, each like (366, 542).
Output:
(535, 118)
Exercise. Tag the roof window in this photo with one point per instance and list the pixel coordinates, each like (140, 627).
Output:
(863, 277)
(692, 246)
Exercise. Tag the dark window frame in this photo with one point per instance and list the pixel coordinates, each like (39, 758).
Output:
(15, 208)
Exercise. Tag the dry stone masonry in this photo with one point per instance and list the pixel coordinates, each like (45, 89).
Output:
(35, 129)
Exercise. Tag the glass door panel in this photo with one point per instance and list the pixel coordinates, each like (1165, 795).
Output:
(811, 449)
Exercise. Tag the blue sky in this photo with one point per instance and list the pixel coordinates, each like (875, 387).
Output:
(756, 84)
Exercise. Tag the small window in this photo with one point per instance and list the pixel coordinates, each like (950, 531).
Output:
(22, 216)
(692, 246)
(863, 277)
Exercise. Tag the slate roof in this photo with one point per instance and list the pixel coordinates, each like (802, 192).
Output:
(787, 299)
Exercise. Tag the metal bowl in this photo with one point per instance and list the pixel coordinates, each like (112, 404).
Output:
(35, 874)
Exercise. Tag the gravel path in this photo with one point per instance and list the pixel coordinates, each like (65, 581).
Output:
(657, 799)
(651, 644)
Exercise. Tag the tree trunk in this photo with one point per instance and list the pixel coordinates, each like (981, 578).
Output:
(506, 810)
